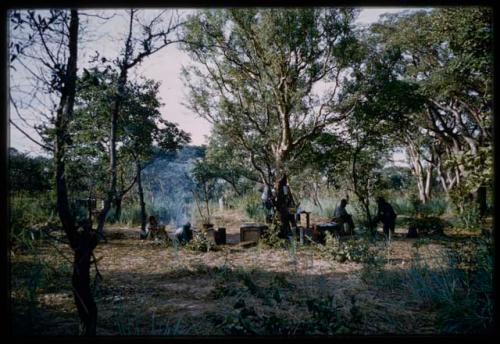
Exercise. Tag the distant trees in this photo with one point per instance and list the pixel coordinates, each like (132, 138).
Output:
(29, 174)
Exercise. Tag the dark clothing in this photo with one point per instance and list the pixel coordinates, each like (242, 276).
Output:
(284, 201)
(387, 215)
(184, 234)
(341, 216)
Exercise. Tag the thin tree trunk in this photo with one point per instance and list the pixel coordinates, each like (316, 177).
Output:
(82, 243)
(118, 208)
(141, 196)
(480, 198)
(428, 183)
(115, 110)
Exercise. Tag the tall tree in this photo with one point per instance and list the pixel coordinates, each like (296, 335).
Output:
(53, 42)
(448, 53)
(257, 76)
(155, 35)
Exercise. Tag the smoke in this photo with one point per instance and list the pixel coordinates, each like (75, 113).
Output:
(168, 186)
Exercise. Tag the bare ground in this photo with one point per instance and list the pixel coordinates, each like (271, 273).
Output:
(152, 289)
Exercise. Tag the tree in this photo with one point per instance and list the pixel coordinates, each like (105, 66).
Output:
(256, 77)
(155, 36)
(62, 27)
(29, 174)
(447, 52)
(144, 128)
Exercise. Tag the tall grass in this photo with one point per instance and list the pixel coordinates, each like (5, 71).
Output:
(27, 211)
(459, 288)
(328, 205)
(251, 205)
(433, 207)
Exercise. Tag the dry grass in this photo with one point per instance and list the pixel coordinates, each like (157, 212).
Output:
(149, 288)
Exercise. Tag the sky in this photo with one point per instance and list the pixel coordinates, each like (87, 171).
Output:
(165, 66)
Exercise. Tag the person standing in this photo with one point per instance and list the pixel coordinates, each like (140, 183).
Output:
(285, 201)
(387, 215)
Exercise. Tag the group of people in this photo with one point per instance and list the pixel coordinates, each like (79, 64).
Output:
(385, 214)
(278, 200)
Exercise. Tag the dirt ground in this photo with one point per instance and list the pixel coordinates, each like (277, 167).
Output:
(149, 288)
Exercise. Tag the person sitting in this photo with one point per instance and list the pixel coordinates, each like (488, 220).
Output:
(155, 230)
(387, 215)
(342, 217)
(184, 234)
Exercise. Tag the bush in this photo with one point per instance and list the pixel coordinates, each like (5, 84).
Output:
(131, 214)
(434, 207)
(26, 212)
(324, 319)
(200, 243)
(354, 250)
(251, 205)
(470, 217)
(270, 237)
(429, 225)
(402, 206)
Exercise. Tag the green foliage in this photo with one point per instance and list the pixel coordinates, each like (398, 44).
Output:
(271, 238)
(412, 206)
(403, 206)
(235, 83)
(323, 318)
(461, 292)
(200, 243)
(429, 225)
(435, 207)
(28, 211)
(470, 217)
(354, 250)
(28, 174)
(251, 205)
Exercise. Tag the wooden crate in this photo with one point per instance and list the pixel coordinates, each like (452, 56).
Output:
(251, 231)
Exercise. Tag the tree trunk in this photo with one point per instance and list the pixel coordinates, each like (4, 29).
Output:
(428, 182)
(366, 205)
(118, 208)
(82, 293)
(141, 196)
(82, 244)
(480, 198)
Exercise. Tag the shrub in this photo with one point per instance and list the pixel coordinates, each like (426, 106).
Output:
(324, 319)
(434, 207)
(131, 214)
(470, 217)
(355, 250)
(402, 206)
(200, 243)
(270, 237)
(26, 212)
(428, 225)
(251, 205)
